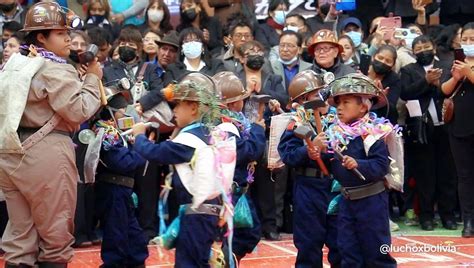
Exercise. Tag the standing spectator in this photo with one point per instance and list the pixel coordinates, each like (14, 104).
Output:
(318, 22)
(240, 32)
(352, 27)
(327, 53)
(257, 81)
(381, 69)
(150, 48)
(157, 17)
(349, 51)
(268, 33)
(9, 28)
(128, 12)
(462, 126)
(102, 39)
(40, 187)
(12, 45)
(223, 9)
(194, 15)
(410, 10)
(195, 57)
(427, 137)
(10, 10)
(456, 11)
(448, 40)
(296, 23)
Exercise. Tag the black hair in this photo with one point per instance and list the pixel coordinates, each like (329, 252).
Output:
(203, 17)
(99, 36)
(32, 39)
(299, 39)
(422, 39)
(388, 48)
(165, 24)
(200, 35)
(445, 39)
(273, 4)
(12, 26)
(467, 26)
(433, 31)
(237, 20)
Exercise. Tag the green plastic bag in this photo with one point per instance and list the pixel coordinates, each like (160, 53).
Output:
(333, 207)
(336, 186)
(242, 214)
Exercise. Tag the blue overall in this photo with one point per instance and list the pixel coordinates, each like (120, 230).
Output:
(248, 150)
(123, 244)
(312, 227)
(363, 225)
(197, 231)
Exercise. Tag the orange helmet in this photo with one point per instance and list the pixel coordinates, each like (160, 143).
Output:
(230, 86)
(324, 36)
(304, 82)
(49, 16)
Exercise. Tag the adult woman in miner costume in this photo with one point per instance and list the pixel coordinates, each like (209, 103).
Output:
(39, 180)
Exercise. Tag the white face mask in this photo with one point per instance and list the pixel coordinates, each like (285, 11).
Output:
(192, 49)
(292, 28)
(288, 62)
(468, 50)
(155, 15)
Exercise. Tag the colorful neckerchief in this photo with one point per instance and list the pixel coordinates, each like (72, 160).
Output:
(242, 123)
(44, 53)
(111, 137)
(340, 134)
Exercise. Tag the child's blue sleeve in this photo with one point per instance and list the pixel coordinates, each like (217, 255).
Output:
(293, 151)
(375, 167)
(251, 149)
(122, 160)
(165, 152)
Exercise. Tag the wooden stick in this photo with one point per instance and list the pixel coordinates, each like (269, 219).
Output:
(103, 98)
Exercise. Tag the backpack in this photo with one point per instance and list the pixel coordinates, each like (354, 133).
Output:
(15, 80)
(211, 170)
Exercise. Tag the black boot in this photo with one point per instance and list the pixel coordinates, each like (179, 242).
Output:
(52, 265)
(468, 230)
(21, 265)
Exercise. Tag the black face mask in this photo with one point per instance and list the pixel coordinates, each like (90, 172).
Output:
(97, 19)
(380, 68)
(189, 14)
(425, 57)
(7, 8)
(325, 9)
(255, 62)
(306, 56)
(127, 54)
(74, 56)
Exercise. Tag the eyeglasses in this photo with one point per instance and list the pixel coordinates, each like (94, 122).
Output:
(245, 36)
(323, 49)
(287, 45)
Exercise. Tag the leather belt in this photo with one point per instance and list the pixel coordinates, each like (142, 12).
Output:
(359, 192)
(116, 179)
(309, 172)
(207, 209)
(31, 130)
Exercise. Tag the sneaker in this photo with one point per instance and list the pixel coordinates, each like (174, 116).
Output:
(410, 218)
(393, 226)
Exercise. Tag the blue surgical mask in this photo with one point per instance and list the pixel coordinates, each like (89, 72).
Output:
(192, 49)
(288, 62)
(279, 17)
(468, 50)
(356, 37)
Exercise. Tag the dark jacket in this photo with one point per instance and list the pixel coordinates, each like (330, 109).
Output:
(338, 69)
(392, 81)
(453, 7)
(115, 71)
(175, 71)
(267, 35)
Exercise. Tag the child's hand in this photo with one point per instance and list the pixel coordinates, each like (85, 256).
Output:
(320, 141)
(314, 152)
(138, 129)
(349, 162)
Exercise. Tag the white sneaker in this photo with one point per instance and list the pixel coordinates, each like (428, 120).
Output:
(393, 226)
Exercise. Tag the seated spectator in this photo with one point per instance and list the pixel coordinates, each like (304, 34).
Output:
(150, 48)
(157, 17)
(194, 57)
(296, 23)
(192, 14)
(167, 51)
(11, 46)
(79, 42)
(102, 39)
(9, 29)
(98, 15)
(268, 33)
(348, 54)
(327, 54)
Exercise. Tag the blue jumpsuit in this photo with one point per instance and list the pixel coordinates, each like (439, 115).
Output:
(197, 231)
(248, 150)
(363, 225)
(123, 244)
(312, 227)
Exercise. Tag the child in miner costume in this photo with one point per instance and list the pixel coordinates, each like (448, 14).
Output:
(123, 241)
(363, 218)
(250, 147)
(201, 206)
(313, 227)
